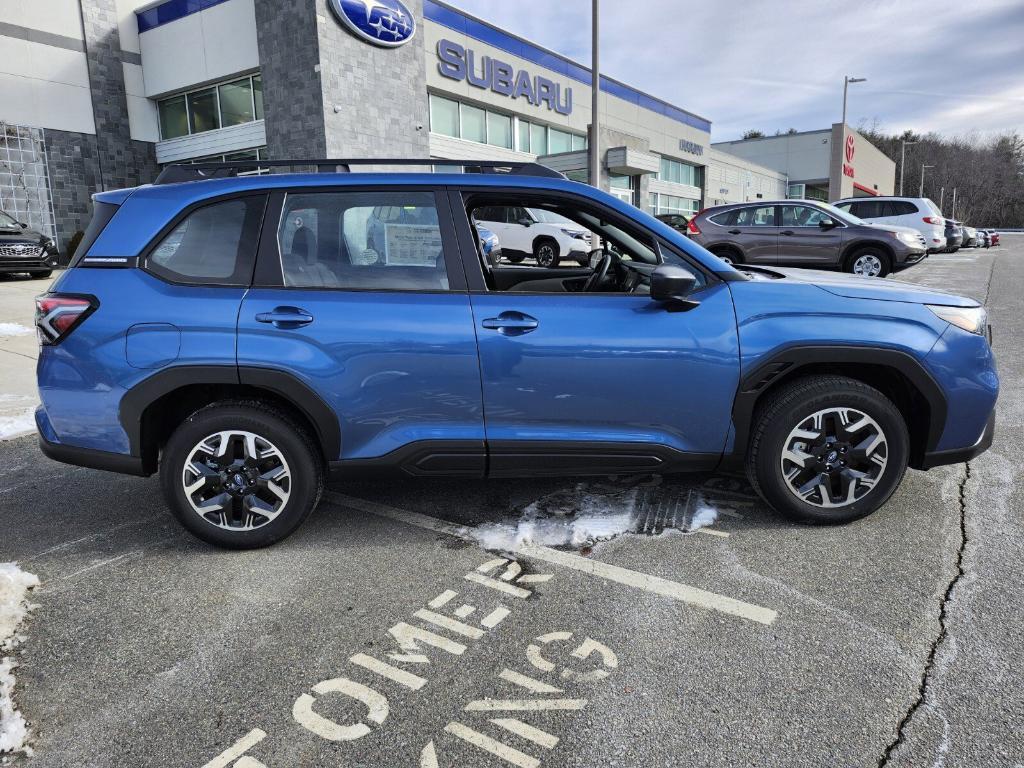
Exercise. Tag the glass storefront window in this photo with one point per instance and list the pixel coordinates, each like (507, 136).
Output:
(538, 139)
(578, 142)
(236, 106)
(499, 130)
(444, 116)
(257, 95)
(679, 172)
(673, 204)
(202, 110)
(474, 126)
(173, 118)
(523, 141)
(559, 141)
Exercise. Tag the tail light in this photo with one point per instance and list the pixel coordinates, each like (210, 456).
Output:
(692, 227)
(59, 314)
(934, 220)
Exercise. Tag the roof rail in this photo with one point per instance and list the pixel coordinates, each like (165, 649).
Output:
(179, 172)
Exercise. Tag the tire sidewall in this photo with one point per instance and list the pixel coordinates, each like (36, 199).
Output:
(775, 488)
(878, 253)
(303, 463)
(546, 241)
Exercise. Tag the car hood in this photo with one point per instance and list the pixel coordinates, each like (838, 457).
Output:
(880, 289)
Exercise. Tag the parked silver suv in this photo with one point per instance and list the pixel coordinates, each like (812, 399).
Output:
(805, 233)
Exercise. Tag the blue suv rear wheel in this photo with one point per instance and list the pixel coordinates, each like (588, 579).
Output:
(240, 474)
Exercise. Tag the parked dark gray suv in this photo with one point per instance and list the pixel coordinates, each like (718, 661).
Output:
(25, 250)
(805, 233)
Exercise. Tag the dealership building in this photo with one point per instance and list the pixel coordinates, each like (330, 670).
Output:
(99, 94)
(829, 164)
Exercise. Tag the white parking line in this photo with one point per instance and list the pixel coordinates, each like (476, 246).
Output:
(614, 573)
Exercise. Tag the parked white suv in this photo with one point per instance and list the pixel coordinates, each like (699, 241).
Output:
(918, 213)
(544, 235)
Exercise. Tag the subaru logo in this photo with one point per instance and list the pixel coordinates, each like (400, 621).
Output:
(19, 248)
(387, 23)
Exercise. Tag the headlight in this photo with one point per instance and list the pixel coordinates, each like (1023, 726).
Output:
(908, 238)
(574, 233)
(970, 319)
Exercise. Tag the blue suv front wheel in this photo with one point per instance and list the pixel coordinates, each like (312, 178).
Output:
(828, 449)
(241, 474)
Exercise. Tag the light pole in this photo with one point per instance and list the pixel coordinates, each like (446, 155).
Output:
(595, 98)
(903, 160)
(920, 192)
(846, 84)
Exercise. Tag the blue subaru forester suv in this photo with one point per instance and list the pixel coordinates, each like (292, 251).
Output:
(241, 335)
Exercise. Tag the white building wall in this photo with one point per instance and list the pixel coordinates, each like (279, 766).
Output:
(804, 157)
(731, 179)
(214, 44)
(44, 76)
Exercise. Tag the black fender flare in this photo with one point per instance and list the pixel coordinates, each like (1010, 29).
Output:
(287, 386)
(790, 359)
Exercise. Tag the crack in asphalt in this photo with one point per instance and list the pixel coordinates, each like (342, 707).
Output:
(922, 689)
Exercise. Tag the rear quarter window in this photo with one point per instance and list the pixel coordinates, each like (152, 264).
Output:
(724, 219)
(212, 245)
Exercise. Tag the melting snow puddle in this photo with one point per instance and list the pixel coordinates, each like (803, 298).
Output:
(12, 425)
(588, 513)
(14, 607)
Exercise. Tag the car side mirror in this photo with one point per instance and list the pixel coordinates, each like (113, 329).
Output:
(22, 225)
(827, 224)
(672, 284)
(525, 222)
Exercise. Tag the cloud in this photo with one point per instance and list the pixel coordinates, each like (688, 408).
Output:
(775, 65)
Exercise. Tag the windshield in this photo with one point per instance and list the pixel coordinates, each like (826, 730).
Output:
(6, 222)
(550, 217)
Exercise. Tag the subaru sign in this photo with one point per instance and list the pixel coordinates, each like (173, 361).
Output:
(387, 23)
(691, 146)
(460, 63)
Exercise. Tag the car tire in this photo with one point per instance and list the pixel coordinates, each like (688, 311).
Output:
(869, 260)
(729, 256)
(251, 512)
(513, 257)
(784, 460)
(545, 252)
(41, 274)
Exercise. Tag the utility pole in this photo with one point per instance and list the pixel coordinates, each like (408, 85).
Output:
(942, 194)
(923, 167)
(952, 213)
(846, 84)
(903, 160)
(595, 97)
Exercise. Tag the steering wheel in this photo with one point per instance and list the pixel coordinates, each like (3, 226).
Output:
(599, 274)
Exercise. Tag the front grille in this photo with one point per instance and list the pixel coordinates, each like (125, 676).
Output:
(21, 251)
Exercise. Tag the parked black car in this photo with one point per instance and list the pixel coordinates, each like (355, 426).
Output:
(25, 250)
(954, 236)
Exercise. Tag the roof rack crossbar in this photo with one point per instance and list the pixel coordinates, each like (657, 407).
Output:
(180, 172)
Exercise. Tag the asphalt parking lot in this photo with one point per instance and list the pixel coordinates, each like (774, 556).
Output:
(383, 634)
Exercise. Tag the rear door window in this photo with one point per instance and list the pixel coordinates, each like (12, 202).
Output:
(388, 241)
(212, 245)
(756, 217)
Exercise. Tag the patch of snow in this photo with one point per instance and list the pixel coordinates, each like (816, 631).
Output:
(703, 517)
(587, 513)
(18, 424)
(14, 606)
(15, 329)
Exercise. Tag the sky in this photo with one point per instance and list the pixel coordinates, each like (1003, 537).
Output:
(948, 66)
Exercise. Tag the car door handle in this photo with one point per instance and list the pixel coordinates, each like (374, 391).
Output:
(786, 232)
(511, 323)
(285, 317)
(734, 231)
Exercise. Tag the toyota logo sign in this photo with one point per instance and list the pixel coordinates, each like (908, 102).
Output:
(849, 148)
